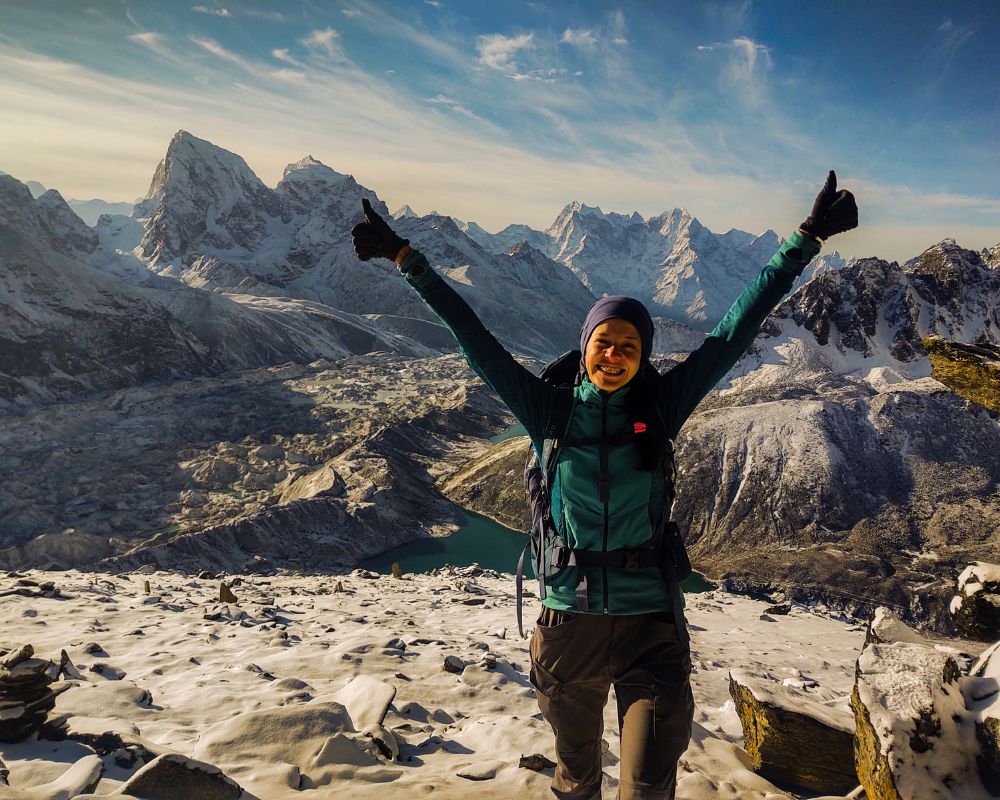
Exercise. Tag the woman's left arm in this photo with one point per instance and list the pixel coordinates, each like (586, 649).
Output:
(683, 387)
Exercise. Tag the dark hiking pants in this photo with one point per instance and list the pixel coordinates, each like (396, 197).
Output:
(575, 658)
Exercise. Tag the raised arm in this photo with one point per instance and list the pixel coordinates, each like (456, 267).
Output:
(526, 395)
(684, 386)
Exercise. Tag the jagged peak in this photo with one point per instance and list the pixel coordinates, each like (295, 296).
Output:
(404, 211)
(312, 169)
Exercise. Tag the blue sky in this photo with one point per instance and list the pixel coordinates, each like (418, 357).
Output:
(504, 112)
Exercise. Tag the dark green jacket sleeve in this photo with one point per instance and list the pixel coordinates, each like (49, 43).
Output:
(526, 395)
(683, 387)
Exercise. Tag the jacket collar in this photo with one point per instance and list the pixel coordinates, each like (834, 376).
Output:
(588, 392)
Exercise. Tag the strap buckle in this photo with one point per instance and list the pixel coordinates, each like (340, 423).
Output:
(632, 559)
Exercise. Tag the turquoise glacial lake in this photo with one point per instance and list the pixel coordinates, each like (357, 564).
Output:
(479, 540)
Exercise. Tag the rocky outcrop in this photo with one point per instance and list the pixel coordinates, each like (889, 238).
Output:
(172, 776)
(348, 471)
(913, 736)
(25, 696)
(493, 484)
(976, 608)
(971, 370)
(793, 739)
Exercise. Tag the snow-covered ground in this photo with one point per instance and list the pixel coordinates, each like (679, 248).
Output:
(293, 642)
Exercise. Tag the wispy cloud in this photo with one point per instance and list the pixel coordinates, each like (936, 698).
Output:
(453, 105)
(270, 16)
(351, 12)
(746, 70)
(579, 37)
(497, 51)
(154, 41)
(324, 42)
(218, 12)
(618, 32)
(219, 51)
(435, 3)
(281, 53)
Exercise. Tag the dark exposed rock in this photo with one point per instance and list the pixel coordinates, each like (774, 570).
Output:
(976, 607)
(172, 776)
(971, 370)
(792, 739)
(536, 762)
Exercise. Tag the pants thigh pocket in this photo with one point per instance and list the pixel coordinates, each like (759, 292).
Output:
(549, 645)
(543, 680)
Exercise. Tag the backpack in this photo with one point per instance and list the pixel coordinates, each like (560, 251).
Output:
(550, 554)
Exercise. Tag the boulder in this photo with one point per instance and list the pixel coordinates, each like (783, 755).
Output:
(913, 740)
(975, 610)
(75, 782)
(885, 627)
(284, 737)
(323, 482)
(172, 776)
(367, 700)
(793, 739)
(969, 370)
(982, 698)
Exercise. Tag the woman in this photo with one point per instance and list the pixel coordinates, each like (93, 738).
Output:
(612, 617)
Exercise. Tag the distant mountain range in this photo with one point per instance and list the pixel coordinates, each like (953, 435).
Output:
(828, 456)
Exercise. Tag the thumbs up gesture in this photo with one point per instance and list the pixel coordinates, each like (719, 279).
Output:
(374, 238)
(833, 212)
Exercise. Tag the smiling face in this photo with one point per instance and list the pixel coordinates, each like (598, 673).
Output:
(614, 353)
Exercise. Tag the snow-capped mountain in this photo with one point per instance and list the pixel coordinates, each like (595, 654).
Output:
(77, 318)
(671, 262)
(204, 200)
(868, 318)
(87, 210)
(48, 219)
(211, 222)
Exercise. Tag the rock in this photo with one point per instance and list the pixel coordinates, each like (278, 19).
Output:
(94, 649)
(969, 370)
(79, 780)
(454, 664)
(15, 657)
(25, 696)
(384, 740)
(909, 712)
(480, 772)
(226, 594)
(982, 698)
(397, 570)
(885, 627)
(339, 587)
(367, 700)
(173, 776)
(975, 610)
(108, 671)
(145, 587)
(779, 608)
(536, 762)
(205, 575)
(791, 738)
(281, 735)
(323, 482)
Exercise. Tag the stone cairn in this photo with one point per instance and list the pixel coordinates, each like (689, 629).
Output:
(25, 696)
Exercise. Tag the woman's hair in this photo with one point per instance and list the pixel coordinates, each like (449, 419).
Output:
(640, 404)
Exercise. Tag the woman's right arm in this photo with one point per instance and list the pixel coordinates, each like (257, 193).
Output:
(526, 395)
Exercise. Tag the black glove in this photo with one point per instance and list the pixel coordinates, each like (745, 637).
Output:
(374, 238)
(833, 212)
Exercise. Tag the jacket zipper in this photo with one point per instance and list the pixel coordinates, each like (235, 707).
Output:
(607, 501)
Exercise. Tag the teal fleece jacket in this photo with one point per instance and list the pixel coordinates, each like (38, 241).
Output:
(636, 496)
